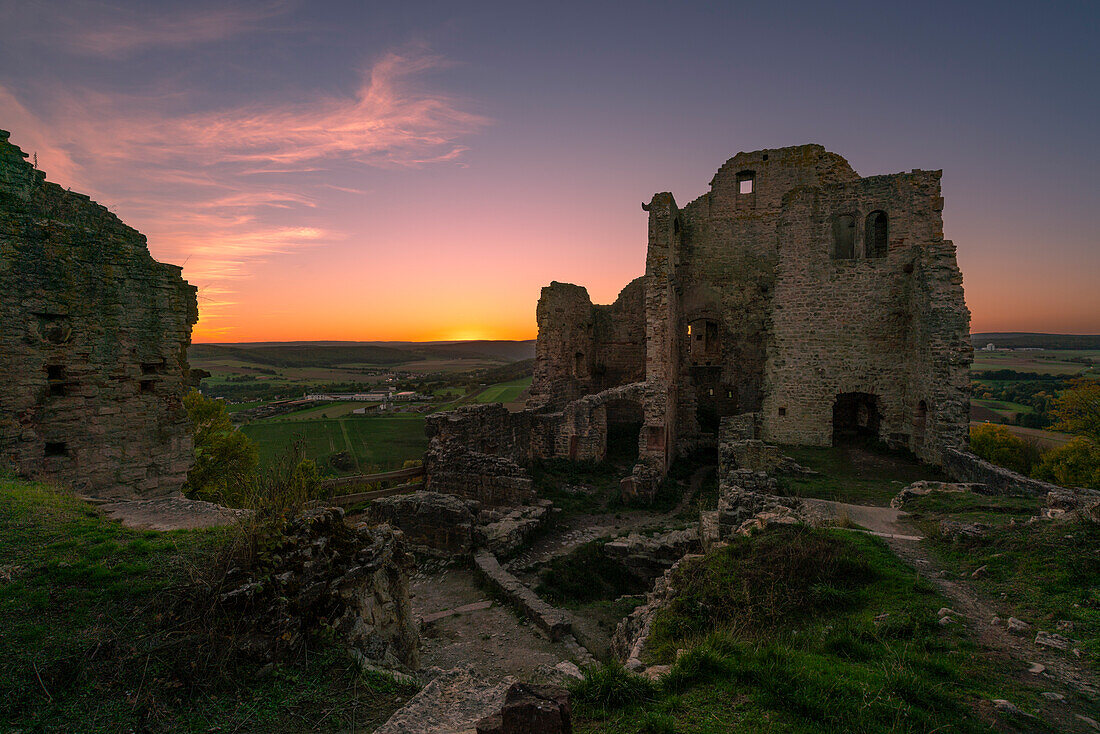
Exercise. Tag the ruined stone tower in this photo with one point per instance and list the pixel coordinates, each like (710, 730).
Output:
(93, 343)
(820, 302)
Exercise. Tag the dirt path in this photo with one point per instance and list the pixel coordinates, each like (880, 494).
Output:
(461, 625)
(170, 513)
(1016, 655)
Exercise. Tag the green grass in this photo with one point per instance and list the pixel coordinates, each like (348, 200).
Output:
(801, 630)
(94, 636)
(1047, 572)
(504, 392)
(1003, 406)
(863, 474)
(381, 443)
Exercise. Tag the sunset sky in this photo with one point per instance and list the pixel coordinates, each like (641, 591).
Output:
(419, 170)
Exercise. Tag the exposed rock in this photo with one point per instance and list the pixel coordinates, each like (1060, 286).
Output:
(1006, 707)
(647, 557)
(628, 643)
(1017, 625)
(1073, 505)
(530, 709)
(453, 701)
(1051, 639)
(749, 501)
(326, 572)
(1036, 668)
(961, 531)
(432, 522)
(1053, 696)
(503, 532)
(924, 487)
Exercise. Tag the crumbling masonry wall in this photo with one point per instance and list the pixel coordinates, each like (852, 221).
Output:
(794, 289)
(93, 343)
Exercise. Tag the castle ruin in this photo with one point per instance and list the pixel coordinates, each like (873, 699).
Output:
(93, 343)
(809, 301)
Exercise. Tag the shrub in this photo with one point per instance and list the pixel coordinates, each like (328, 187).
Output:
(760, 582)
(1078, 409)
(224, 457)
(998, 445)
(1074, 464)
(610, 687)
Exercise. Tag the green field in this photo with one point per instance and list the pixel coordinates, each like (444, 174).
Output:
(1046, 361)
(1003, 407)
(381, 443)
(504, 392)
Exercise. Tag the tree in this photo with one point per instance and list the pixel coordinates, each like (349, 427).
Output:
(225, 458)
(1077, 409)
(998, 445)
(1074, 464)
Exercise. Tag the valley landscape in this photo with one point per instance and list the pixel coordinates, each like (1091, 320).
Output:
(371, 458)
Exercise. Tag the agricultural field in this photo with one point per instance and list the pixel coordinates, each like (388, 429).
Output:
(505, 392)
(1062, 362)
(328, 410)
(374, 443)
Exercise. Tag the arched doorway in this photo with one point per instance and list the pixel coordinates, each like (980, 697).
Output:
(855, 415)
(624, 426)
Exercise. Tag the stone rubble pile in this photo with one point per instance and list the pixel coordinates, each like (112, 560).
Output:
(647, 557)
(437, 524)
(328, 573)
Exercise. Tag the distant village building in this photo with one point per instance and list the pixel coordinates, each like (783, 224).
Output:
(991, 347)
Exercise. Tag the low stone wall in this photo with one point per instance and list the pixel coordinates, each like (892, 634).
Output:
(963, 466)
(551, 621)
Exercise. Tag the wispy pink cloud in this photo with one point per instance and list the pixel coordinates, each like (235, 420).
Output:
(221, 191)
(95, 28)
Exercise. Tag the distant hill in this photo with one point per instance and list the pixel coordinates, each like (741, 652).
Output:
(330, 354)
(1018, 340)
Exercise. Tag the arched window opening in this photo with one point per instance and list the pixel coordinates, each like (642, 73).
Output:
(877, 235)
(844, 237)
(580, 367)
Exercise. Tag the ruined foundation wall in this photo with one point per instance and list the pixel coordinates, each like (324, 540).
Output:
(93, 343)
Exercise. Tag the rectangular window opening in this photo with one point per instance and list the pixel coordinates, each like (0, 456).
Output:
(57, 389)
(56, 448)
(150, 368)
(745, 186)
(55, 372)
(147, 386)
(782, 411)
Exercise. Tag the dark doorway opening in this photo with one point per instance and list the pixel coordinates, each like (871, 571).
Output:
(624, 427)
(855, 415)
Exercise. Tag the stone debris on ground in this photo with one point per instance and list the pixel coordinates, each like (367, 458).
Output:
(172, 513)
(350, 578)
(452, 702)
(530, 709)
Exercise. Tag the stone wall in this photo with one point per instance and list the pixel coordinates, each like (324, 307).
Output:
(93, 343)
(792, 286)
(589, 347)
(963, 466)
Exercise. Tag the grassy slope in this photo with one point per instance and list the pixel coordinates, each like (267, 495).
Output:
(90, 642)
(799, 630)
(1046, 572)
(867, 474)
